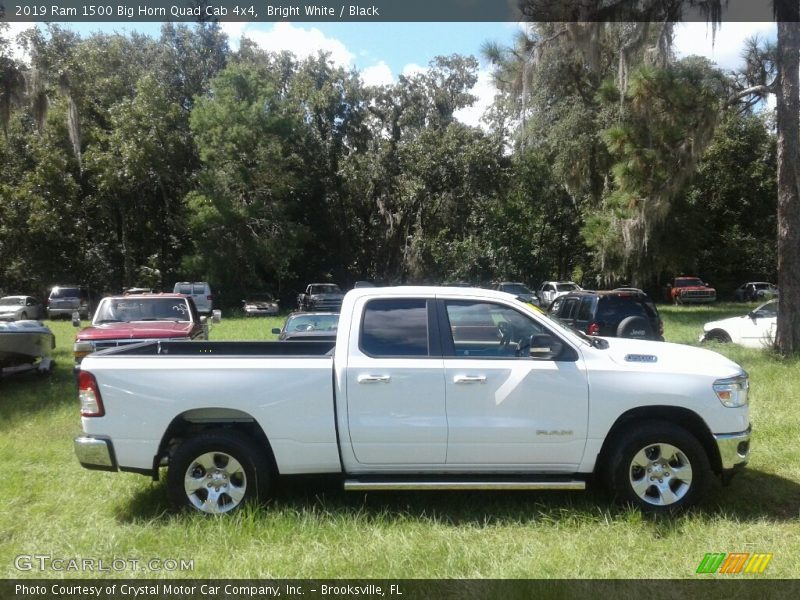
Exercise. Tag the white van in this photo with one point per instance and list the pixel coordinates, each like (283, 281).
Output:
(200, 292)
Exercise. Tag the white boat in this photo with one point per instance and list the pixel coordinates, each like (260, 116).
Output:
(25, 345)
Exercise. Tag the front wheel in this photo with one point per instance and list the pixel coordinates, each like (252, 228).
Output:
(659, 467)
(216, 472)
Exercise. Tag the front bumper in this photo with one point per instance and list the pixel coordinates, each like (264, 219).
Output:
(260, 312)
(96, 453)
(734, 448)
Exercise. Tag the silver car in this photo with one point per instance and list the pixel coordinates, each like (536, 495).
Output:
(20, 308)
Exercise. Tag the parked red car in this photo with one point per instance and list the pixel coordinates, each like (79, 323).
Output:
(130, 319)
(685, 290)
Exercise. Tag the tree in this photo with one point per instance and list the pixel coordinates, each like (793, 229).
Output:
(596, 18)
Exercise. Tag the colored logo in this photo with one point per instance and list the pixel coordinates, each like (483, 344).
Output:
(734, 562)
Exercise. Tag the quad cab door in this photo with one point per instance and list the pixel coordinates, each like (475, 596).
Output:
(396, 413)
(506, 410)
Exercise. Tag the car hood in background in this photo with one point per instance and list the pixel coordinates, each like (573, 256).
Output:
(138, 330)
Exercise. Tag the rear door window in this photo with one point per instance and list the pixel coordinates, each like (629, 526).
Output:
(395, 327)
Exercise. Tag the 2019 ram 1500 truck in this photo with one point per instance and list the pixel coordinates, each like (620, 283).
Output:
(437, 388)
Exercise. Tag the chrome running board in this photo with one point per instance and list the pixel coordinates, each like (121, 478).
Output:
(355, 485)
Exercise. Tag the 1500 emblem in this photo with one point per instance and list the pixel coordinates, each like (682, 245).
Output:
(643, 358)
(554, 432)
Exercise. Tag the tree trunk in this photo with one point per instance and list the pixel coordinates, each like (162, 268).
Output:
(788, 108)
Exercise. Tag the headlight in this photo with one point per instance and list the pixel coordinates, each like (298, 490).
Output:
(81, 349)
(732, 392)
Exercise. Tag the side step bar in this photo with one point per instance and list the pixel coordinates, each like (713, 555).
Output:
(355, 485)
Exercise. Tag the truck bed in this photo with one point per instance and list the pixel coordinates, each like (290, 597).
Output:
(284, 387)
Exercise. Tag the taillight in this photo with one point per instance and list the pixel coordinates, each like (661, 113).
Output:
(593, 329)
(89, 395)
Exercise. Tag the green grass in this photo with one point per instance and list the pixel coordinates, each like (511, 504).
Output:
(51, 506)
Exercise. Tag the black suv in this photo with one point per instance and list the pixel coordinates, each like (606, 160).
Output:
(628, 313)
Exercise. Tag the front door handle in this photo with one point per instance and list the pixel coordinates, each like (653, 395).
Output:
(469, 379)
(374, 378)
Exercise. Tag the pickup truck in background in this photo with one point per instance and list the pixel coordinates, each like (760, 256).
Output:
(134, 318)
(690, 290)
(320, 296)
(424, 388)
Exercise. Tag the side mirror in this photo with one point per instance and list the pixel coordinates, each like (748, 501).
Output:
(545, 347)
(76, 319)
(276, 330)
(216, 316)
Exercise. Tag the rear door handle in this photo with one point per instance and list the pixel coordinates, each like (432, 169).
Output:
(469, 379)
(374, 378)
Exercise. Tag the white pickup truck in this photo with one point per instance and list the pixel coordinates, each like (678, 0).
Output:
(424, 388)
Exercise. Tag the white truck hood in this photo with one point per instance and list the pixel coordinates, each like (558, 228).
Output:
(671, 358)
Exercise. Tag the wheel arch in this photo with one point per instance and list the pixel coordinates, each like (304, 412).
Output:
(681, 417)
(720, 334)
(198, 420)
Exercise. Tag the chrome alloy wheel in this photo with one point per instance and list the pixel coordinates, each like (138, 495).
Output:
(660, 474)
(215, 482)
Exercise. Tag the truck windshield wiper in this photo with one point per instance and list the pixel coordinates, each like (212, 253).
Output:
(101, 321)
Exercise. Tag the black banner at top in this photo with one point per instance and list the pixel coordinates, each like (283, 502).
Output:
(70, 11)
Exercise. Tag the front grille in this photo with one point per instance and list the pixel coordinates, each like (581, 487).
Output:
(105, 344)
(327, 304)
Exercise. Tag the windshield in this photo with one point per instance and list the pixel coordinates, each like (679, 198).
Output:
(515, 288)
(313, 323)
(688, 282)
(116, 310)
(12, 301)
(567, 287)
(328, 288)
(260, 298)
(770, 309)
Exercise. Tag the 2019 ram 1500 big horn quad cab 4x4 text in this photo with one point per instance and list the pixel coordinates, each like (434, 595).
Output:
(435, 388)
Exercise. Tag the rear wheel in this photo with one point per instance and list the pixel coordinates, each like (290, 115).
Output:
(216, 472)
(658, 467)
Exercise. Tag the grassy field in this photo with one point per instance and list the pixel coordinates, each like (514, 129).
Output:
(53, 507)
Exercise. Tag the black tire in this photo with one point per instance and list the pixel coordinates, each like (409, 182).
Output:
(679, 471)
(636, 328)
(217, 471)
(717, 335)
